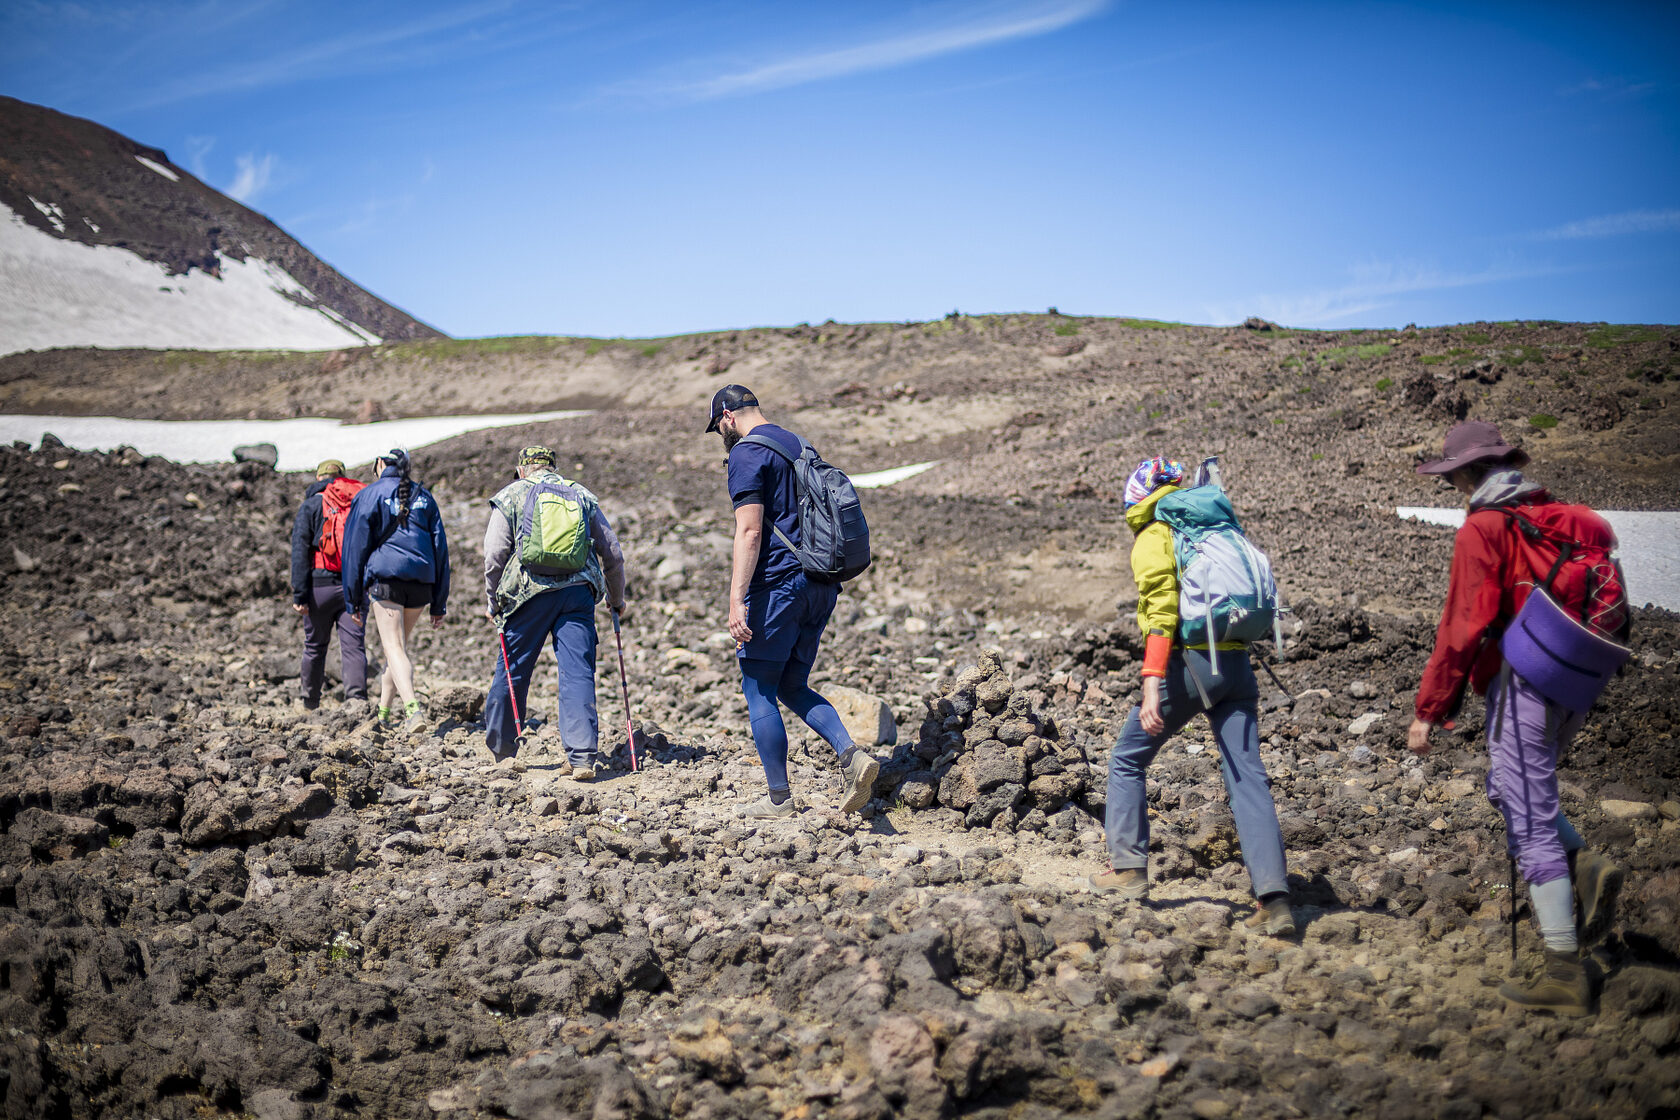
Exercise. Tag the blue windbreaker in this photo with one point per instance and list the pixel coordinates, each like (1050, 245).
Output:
(416, 551)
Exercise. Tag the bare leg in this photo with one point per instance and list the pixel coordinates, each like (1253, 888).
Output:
(395, 623)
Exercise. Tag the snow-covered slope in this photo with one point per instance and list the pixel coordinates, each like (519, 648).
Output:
(105, 242)
(55, 292)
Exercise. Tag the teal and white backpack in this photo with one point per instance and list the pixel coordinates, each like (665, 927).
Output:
(1226, 592)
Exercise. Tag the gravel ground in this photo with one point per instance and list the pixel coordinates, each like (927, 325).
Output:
(214, 903)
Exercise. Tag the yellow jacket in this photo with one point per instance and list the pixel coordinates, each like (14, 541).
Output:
(1155, 572)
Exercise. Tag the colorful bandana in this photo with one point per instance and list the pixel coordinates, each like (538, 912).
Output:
(1150, 476)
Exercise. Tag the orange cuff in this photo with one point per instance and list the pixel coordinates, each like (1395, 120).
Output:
(1156, 649)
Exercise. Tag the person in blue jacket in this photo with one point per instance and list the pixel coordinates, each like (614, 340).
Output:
(397, 557)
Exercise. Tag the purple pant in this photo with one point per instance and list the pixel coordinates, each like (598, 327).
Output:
(326, 608)
(1525, 732)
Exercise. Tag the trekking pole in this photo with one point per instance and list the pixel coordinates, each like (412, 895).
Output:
(624, 685)
(507, 677)
(1513, 910)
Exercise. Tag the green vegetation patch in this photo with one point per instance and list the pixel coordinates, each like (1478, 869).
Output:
(1384, 384)
(1149, 324)
(1359, 352)
(1477, 338)
(1612, 335)
(1542, 420)
(479, 347)
(1067, 330)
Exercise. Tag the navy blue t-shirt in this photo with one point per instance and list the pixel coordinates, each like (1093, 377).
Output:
(759, 476)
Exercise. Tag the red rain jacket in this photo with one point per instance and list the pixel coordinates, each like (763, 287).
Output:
(1494, 567)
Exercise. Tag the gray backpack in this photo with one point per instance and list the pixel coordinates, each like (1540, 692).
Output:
(833, 535)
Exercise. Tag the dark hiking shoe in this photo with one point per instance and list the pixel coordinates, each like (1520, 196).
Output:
(1563, 987)
(1133, 882)
(309, 705)
(859, 775)
(765, 809)
(1598, 882)
(1273, 917)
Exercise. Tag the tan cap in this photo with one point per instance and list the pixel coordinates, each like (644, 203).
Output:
(329, 468)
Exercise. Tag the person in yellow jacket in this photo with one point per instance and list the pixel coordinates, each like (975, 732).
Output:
(1179, 683)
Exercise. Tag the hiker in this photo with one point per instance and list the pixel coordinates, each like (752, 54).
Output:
(396, 557)
(777, 611)
(1514, 537)
(549, 557)
(317, 584)
(1181, 679)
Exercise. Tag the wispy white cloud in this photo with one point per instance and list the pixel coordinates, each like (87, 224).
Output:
(1372, 287)
(1609, 89)
(198, 147)
(364, 49)
(1613, 225)
(1000, 26)
(252, 176)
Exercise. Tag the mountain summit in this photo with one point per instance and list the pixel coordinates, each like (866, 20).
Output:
(104, 242)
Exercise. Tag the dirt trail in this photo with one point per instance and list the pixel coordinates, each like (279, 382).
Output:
(215, 904)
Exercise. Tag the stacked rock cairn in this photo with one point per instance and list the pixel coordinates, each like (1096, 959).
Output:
(987, 753)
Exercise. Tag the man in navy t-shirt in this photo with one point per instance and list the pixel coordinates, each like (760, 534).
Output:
(776, 613)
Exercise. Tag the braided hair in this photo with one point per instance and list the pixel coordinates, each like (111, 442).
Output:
(398, 458)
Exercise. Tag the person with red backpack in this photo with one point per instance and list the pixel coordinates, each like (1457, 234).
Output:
(317, 591)
(1534, 591)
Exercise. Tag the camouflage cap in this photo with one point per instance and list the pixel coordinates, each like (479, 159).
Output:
(537, 455)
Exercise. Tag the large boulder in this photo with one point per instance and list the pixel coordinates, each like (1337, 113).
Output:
(264, 453)
(868, 719)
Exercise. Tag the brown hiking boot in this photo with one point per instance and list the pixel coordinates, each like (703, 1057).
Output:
(1597, 884)
(1133, 882)
(1563, 987)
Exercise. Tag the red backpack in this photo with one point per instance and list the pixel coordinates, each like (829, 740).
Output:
(335, 509)
(1572, 545)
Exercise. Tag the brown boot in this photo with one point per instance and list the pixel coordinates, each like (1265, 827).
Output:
(1598, 882)
(1563, 987)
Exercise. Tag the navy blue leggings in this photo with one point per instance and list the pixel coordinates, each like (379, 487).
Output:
(766, 682)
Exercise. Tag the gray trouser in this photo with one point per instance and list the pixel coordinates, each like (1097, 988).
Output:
(1233, 713)
(326, 609)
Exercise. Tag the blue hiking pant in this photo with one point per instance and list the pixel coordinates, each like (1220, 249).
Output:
(1233, 713)
(787, 621)
(1525, 731)
(566, 620)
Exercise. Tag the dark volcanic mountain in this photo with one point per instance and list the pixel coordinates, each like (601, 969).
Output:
(78, 181)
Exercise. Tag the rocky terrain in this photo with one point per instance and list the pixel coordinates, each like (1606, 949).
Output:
(213, 903)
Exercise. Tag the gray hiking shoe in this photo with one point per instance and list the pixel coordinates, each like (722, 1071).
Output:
(1133, 882)
(1598, 882)
(765, 809)
(1563, 987)
(859, 776)
(1273, 917)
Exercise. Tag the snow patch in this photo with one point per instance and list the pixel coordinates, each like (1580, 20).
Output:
(55, 292)
(166, 172)
(91, 224)
(1649, 548)
(888, 477)
(302, 443)
(51, 210)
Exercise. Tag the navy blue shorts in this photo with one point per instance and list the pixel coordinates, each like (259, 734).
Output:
(787, 619)
(403, 592)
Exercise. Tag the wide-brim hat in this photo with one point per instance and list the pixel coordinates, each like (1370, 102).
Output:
(1474, 441)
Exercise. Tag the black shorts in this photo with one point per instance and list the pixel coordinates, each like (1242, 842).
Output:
(403, 592)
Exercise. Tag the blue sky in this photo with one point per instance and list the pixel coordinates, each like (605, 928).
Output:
(639, 168)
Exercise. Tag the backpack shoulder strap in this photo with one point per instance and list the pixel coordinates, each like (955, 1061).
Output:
(1537, 533)
(765, 441)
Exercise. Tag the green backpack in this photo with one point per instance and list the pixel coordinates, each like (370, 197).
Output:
(553, 531)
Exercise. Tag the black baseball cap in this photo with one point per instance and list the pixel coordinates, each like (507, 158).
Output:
(730, 397)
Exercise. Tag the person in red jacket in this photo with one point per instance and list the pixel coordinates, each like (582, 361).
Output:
(1493, 571)
(317, 535)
